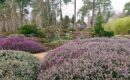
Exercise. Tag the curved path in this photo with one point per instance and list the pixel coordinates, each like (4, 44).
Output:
(40, 56)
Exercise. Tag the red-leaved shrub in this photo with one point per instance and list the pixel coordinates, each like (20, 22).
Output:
(21, 44)
(90, 59)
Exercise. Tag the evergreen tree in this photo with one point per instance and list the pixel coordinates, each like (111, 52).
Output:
(127, 9)
(2, 1)
(66, 22)
(98, 29)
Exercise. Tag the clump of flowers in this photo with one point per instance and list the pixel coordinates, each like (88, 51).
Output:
(17, 65)
(90, 59)
(21, 44)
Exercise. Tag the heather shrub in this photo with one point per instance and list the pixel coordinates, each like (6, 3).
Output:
(21, 44)
(2, 36)
(17, 65)
(89, 59)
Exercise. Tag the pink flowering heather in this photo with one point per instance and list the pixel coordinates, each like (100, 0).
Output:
(90, 59)
(21, 44)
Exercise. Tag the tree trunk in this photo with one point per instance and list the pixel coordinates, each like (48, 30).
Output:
(48, 12)
(75, 14)
(61, 17)
(21, 14)
(93, 14)
(4, 22)
(21, 17)
(89, 20)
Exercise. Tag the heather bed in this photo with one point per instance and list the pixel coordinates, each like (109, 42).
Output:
(22, 44)
(17, 65)
(90, 59)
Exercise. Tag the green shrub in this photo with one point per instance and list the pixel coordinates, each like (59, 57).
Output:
(17, 65)
(108, 33)
(51, 32)
(109, 26)
(119, 26)
(30, 30)
(122, 26)
(87, 33)
(98, 28)
(56, 32)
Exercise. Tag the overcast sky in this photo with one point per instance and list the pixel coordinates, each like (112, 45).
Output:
(118, 6)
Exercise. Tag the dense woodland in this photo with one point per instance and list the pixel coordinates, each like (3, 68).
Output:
(15, 13)
(45, 13)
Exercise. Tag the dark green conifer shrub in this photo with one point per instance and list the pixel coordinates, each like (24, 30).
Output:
(98, 28)
(30, 30)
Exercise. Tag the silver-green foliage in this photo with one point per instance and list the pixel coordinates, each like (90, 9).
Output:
(17, 65)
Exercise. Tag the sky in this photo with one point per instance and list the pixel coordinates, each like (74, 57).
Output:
(118, 6)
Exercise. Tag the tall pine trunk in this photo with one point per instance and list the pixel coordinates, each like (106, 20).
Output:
(61, 16)
(93, 14)
(75, 14)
